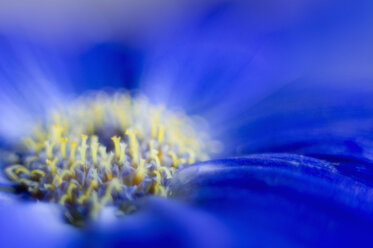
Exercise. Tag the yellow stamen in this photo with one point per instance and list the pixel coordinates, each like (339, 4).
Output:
(147, 136)
(134, 150)
(73, 146)
(116, 141)
(161, 134)
(52, 164)
(155, 125)
(63, 147)
(25, 181)
(154, 156)
(38, 172)
(107, 165)
(56, 133)
(122, 152)
(114, 184)
(166, 171)
(103, 153)
(68, 195)
(57, 179)
(139, 176)
(49, 149)
(63, 199)
(9, 171)
(23, 170)
(94, 148)
(88, 192)
(83, 148)
(175, 159)
(157, 187)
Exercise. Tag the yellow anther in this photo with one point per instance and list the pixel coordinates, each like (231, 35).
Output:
(154, 156)
(73, 146)
(56, 179)
(56, 133)
(157, 187)
(72, 167)
(68, 195)
(94, 148)
(159, 190)
(140, 173)
(49, 149)
(107, 162)
(155, 123)
(114, 184)
(49, 186)
(107, 165)
(134, 150)
(122, 152)
(167, 171)
(175, 159)
(23, 170)
(116, 141)
(102, 151)
(10, 172)
(70, 189)
(151, 146)
(88, 192)
(63, 147)
(34, 188)
(25, 181)
(161, 134)
(52, 164)
(63, 199)
(157, 176)
(83, 148)
(65, 173)
(37, 172)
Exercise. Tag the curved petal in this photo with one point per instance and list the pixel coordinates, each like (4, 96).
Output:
(336, 126)
(286, 200)
(160, 223)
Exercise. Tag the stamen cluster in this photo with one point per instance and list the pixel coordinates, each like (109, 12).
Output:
(105, 150)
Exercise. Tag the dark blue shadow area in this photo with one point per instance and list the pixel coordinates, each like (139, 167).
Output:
(107, 65)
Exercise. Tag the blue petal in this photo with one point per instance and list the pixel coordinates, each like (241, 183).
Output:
(331, 122)
(33, 225)
(282, 200)
(160, 223)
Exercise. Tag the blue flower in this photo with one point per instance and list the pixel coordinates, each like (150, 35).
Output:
(269, 79)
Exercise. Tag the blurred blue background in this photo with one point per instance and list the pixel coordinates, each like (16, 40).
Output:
(217, 59)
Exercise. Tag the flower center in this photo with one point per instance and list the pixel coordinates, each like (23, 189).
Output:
(105, 150)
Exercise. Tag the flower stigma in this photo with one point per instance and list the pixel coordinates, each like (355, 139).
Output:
(105, 150)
